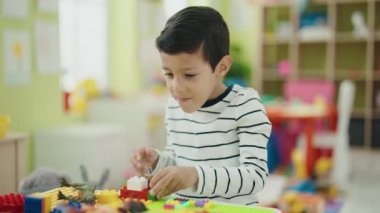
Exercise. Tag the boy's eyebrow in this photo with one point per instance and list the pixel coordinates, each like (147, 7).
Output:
(183, 69)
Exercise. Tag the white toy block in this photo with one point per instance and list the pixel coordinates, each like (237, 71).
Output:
(137, 183)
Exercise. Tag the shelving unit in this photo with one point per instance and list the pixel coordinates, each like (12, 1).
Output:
(336, 54)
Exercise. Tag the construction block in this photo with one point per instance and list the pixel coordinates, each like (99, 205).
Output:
(137, 183)
(151, 197)
(37, 203)
(13, 203)
(126, 193)
(44, 202)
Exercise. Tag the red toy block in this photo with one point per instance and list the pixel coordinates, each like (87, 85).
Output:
(13, 203)
(126, 193)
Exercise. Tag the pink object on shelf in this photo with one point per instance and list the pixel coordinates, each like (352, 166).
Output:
(284, 67)
(308, 90)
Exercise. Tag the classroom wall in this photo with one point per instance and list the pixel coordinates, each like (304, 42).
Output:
(38, 104)
(125, 78)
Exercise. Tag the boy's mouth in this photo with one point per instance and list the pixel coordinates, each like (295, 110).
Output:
(183, 100)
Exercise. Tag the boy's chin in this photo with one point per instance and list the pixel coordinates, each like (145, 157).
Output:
(188, 109)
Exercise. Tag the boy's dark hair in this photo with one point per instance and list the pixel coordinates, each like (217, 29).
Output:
(195, 27)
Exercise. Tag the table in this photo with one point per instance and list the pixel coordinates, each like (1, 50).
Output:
(12, 161)
(157, 207)
(307, 114)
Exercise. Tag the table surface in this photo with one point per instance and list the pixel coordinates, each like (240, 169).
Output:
(157, 207)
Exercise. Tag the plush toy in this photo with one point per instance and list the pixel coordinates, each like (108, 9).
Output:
(42, 179)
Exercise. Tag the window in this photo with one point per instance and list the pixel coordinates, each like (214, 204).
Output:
(83, 42)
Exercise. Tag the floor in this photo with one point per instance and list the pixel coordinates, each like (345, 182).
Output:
(363, 193)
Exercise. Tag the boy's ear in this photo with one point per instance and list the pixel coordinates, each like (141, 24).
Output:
(223, 66)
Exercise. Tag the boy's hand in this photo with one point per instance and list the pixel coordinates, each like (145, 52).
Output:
(172, 179)
(143, 159)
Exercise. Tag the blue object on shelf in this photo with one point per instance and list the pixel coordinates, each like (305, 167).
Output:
(311, 19)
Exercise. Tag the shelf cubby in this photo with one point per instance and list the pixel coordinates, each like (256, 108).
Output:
(359, 102)
(376, 99)
(312, 59)
(356, 132)
(377, 20)
(274, 17)
(272, 55)
(344, 13)
(273, 88)
(376, 133)
(376, 60)
(351, 60)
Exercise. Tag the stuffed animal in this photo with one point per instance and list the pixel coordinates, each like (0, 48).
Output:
(42, 179)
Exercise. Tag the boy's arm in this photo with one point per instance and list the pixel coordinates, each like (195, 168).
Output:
(167, 157)
(253, 130)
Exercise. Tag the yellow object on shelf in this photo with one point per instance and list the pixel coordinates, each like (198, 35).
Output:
(4, 125)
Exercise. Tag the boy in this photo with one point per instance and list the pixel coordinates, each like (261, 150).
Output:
(216, 136)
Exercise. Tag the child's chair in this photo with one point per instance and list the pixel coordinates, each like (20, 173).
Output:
(305, 91)
(338, 141)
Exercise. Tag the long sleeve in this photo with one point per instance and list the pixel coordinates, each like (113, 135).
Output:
(166, 157)
(253, 129)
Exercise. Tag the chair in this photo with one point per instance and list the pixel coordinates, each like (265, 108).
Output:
(337, 141)
(305, 91)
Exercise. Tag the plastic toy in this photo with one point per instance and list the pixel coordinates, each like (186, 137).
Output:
(13, 203)
(322, 172)
(132, 206)
(301, 202)
(136, 187)
(180, 203)
(44, 202)
(137, 183)
(86, 192)
(4, 125)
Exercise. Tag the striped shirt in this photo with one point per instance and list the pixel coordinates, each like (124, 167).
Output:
(226, 140)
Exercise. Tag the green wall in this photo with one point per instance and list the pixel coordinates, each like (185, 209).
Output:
(125, 77)
(40, 103)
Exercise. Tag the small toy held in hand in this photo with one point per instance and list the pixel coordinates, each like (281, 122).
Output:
(136, 187)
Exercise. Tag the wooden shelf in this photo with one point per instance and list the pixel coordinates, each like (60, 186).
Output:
(376, 76)
(306, 41)
(377, 35)
(358, 75)
(273, 78)
(349, 37)
(343, 56)
(358, 113)
(275, 40)
(280, 3)
(351, 1)
(376, 113)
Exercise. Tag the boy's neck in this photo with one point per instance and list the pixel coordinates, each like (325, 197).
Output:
(219, 97)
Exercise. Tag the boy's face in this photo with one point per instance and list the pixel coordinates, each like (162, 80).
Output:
(191, 80)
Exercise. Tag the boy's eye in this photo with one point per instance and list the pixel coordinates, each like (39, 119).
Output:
(169, 75)
(190, 75)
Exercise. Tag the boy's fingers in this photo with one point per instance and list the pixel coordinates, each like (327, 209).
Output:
(157, 181)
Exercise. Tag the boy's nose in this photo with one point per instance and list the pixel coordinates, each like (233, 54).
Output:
(178, 85)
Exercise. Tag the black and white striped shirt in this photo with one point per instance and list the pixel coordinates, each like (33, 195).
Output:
(226, 140)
